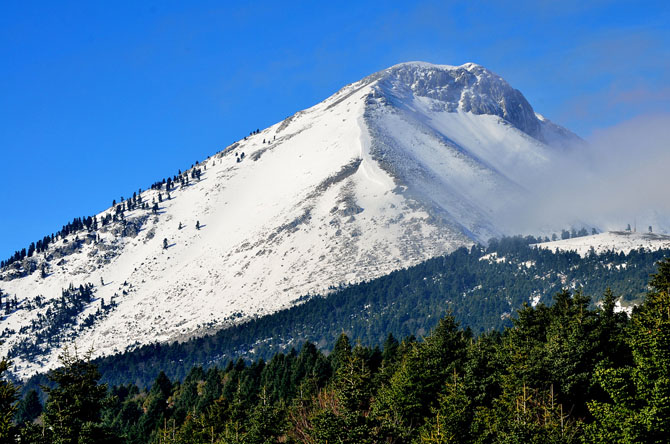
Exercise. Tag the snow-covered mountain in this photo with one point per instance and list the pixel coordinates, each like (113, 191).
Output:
(406, 164)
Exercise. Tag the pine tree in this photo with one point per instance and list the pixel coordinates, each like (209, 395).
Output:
(155, 405)
(639, 410)
(29, 408)
(390, 348)
(452, 418)
(341, 352)
(342, 411)
(7, 404)
(525, 415)
(413, 389)
(73, 410)
(265, 422)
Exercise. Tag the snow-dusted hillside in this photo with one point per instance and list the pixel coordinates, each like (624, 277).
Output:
(406, 164)
(618, 241)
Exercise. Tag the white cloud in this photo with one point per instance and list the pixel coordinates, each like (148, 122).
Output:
(621, 176)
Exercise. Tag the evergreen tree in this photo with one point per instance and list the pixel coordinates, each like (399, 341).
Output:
(155, 406)
(7, 404)
(639, 406)
(414, 388)
(73, 410)
(390, 349)
(341, 352)
(265, 422)
(29, 408)
(452, 418)
(525, 415)
(342, 412)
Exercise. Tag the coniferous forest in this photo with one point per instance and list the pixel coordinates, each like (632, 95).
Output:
(565, 372)
(481, 294)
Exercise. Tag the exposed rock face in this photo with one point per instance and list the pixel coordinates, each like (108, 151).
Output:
(470, 87)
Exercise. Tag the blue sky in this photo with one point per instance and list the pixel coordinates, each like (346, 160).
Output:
(99, 99)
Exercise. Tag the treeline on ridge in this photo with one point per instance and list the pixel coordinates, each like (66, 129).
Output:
(91, 224)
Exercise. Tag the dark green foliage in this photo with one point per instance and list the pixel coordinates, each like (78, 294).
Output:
(543, 380)
(341, 352)
(481, 293)
(390, 349)
(155, 406)
(345, 416)
(450, 420)
(562, 372)
(73, 410)
(413, 389)
(266, 422)
(638, 408)
(7, 404)
(29, 408)
(566, 373)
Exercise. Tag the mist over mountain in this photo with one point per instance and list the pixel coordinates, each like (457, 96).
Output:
(618, 177)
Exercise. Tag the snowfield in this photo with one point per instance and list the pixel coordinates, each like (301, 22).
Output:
(407, 164)
(618, 241)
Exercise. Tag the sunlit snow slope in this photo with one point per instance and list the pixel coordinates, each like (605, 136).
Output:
(617, 241)
(406, 164)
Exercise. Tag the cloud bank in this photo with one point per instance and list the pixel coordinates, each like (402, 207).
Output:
(620, 176)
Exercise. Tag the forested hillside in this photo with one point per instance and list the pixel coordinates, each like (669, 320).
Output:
(481, 288)
(565, 373)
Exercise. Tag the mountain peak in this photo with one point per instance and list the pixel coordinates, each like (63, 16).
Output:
(420, 64)
(469, 88)
(428, 65)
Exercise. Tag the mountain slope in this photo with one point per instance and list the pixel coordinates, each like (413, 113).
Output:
(619, 241)
(406, 164)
